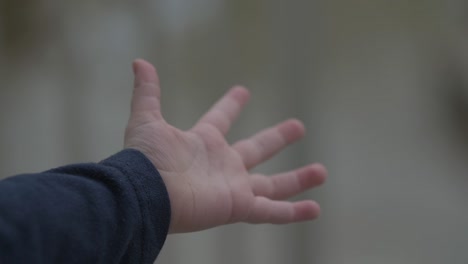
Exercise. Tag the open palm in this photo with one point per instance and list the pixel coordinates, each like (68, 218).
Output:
(208, 179)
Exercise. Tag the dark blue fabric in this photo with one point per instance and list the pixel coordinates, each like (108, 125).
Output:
(115, 211)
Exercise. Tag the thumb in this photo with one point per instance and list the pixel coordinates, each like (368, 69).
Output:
(147, 91)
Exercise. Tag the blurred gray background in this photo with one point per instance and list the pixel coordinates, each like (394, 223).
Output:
(382, 87)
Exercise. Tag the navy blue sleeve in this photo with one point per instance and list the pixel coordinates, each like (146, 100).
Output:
(115, 211)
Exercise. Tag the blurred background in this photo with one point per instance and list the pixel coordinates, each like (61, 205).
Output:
(382, 87)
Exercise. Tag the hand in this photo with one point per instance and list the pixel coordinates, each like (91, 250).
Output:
(208, 179)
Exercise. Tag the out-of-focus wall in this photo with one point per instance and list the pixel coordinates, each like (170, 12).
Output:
(379, 85)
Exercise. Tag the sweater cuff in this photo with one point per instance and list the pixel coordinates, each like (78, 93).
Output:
(153, 199)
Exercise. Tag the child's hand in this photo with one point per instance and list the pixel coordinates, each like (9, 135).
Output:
(208, 179)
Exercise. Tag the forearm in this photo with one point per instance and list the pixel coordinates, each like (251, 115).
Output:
(116, 211)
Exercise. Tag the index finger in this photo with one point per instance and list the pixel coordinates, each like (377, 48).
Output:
(224, 112)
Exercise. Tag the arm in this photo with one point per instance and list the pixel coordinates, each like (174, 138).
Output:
(119, 211)
(116, 211)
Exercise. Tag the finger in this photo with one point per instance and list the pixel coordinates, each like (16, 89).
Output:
(265, 210)
(147, 92)
(268, 142)
(224, 112)
(288, 184)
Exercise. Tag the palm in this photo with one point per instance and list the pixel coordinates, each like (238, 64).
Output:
(222, 183)
(208, 180)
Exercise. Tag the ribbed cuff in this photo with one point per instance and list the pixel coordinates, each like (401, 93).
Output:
(152, 196)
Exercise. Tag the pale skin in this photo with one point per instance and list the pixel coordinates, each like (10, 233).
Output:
(207, 178)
